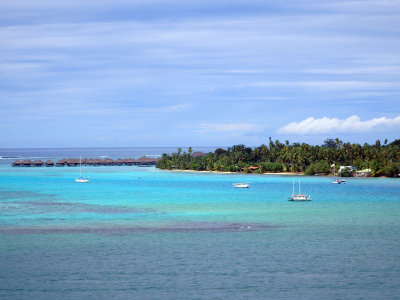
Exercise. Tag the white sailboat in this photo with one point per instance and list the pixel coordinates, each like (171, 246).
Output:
(299, 196)
(81, 179)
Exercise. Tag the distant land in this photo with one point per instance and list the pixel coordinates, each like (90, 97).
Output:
(332, 157)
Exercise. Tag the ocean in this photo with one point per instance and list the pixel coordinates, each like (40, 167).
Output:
(143, 233)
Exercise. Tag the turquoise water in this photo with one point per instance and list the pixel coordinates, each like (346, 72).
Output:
(145, 233)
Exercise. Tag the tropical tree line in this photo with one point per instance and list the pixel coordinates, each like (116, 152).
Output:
(382, 159)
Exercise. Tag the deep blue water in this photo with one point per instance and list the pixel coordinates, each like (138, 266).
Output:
(149, 234)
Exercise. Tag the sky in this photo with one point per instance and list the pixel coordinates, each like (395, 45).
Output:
(197, 73)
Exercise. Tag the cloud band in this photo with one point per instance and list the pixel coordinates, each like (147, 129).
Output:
(328, 125)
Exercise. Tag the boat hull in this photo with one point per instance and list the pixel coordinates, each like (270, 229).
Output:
(299, 198)
(339, 181)
(81, 180)
(241, 185)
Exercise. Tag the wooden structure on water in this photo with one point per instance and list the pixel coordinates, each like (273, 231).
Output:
(74, 162)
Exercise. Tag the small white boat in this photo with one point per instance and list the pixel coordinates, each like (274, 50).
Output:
(81, 179)
(241, 185)
(339, 181)
(299, 196)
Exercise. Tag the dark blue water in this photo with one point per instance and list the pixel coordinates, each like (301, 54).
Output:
(143, 233)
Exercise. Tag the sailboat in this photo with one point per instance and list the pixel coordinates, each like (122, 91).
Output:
(81, 179)
(299, 196)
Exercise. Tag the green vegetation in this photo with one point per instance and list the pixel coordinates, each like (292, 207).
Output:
(383, 160)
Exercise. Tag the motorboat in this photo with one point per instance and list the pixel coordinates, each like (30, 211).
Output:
(241, 185)
(339, 181)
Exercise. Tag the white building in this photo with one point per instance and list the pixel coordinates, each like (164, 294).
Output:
(342, 168)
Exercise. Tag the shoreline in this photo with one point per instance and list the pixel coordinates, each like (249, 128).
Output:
(267, 173)
(227, 172)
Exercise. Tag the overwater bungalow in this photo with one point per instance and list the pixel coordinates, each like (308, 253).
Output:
(97, 162)
(26, 163)
(38, 163)
(119, 162)
(108, 162)
(49, 163)
(94, 162)
(130, 161)
(16, 163)
(87, 161)
(61, 163)
(73, 162)
(145, 161)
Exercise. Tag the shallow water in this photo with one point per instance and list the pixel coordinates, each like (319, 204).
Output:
(144, 233)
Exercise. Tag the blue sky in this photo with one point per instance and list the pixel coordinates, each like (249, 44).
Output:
(197, 73)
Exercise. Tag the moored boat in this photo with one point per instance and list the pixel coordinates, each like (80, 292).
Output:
(339, 181)
(299, 196)
(81, 179)
(241, 185)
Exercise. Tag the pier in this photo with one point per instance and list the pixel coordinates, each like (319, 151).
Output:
(74, 162)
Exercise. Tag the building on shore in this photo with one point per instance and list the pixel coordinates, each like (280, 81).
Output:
(342, 168)
(198, 154)
(363, 173)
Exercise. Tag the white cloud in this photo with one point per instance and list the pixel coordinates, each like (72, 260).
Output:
(328, 125)
(227, 127)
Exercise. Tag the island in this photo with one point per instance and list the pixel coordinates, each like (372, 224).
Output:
(332, 157)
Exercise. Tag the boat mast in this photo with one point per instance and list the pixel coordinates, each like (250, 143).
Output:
(293, 186)
(299, 187)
